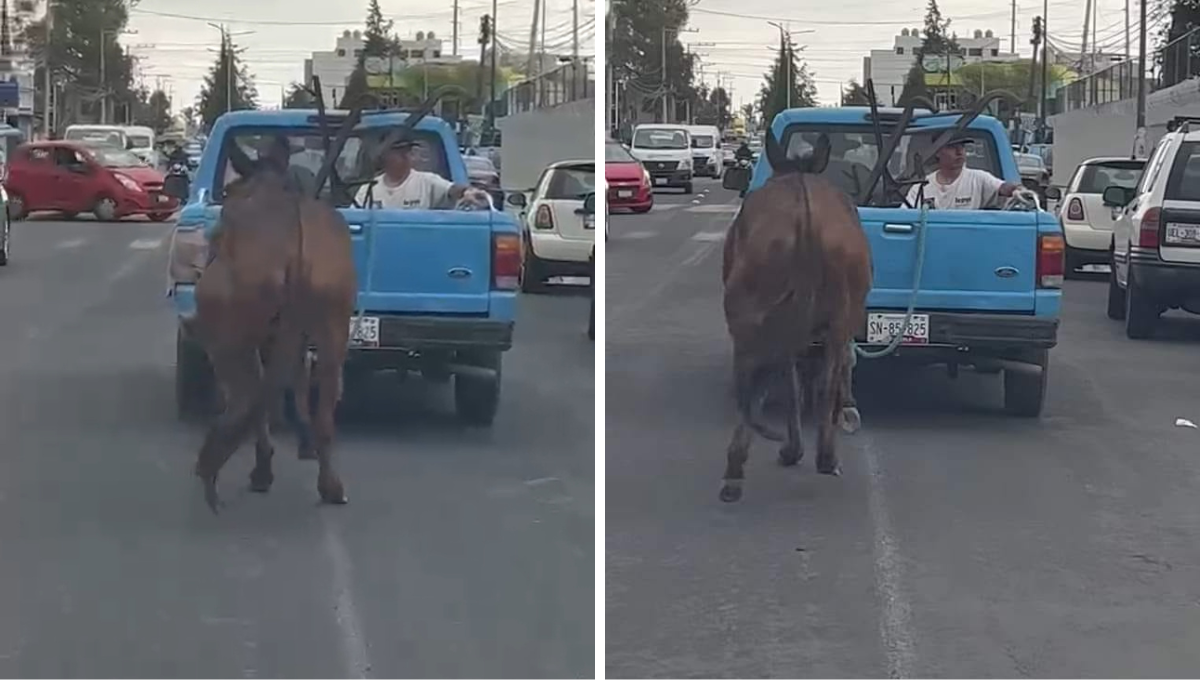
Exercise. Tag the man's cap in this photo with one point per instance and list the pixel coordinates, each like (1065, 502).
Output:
(959, 138)
(402, 142)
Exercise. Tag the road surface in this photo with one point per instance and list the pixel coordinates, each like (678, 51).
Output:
(463, 553)
(960, 542)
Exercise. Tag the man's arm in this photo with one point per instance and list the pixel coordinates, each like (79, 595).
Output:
(994, 188)
(443, 190)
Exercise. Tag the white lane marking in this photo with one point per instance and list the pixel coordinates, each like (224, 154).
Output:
(146, 244)
(71, 243)
(354, 646)
(635, 235)
(895, 619)
(708, 236)
(715, 208)
(660, 207)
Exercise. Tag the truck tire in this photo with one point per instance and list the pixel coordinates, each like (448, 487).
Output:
(1025, 392)
(476, 400)
(195, 386)
(688, 188)
(1116, 296)
(1141, 312)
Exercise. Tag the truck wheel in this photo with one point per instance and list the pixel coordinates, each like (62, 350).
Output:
(1071, 265)
(195, 386)
(1116, 296)
(1025, 391)
(688, 188)
(477, 399)
(1141, 311)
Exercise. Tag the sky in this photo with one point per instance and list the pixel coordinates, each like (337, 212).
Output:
(844, 31)
(175, 45)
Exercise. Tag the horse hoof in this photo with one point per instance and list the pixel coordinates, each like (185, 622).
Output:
(790, 455)
(332, 492)
(211, 497)
(834, 470)
(338, 499)
(731, 492)
(261, 483)
(851, 420)
(306, 453)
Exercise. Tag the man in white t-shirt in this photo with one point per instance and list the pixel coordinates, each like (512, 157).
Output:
(954, 186)
(403, 187)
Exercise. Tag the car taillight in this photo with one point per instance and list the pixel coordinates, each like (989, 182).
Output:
(544, 219)
(188, 254)
(506, 261)
(1075, 210)
(1051, 256)
(1148, 229)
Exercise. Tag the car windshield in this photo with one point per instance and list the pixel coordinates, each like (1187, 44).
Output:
(853, 151)
(353, 165)
(571, 183)
(140, 141)
(702, 141)
(479, 164)
(1030, 161)
(660, 139)
(111, 157)
(109, 138)
(615, 153)
(1095, 178)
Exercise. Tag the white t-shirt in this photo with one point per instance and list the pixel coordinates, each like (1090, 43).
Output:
(419, 191)
(973, 190)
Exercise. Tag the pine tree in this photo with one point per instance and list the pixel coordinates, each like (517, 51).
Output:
(936, 41)
(773, 97)
(1174, 61)
(227, 87)
(377, 38)
(856, 95)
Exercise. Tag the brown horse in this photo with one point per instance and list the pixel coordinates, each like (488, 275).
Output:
(797, 270)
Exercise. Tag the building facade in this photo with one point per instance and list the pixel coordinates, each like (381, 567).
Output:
(335, 66)
(888, 68)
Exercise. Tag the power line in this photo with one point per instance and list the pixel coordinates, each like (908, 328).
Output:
(853, 22)
(322, 22)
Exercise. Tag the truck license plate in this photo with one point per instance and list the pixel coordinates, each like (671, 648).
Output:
(367, 334)
(881, 328)
(1183, 234)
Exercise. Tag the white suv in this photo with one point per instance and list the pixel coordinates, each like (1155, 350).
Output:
(1156, 235)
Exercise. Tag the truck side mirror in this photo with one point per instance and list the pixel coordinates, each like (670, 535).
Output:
(736, 179)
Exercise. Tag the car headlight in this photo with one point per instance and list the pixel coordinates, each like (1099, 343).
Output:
(684, 165)
(128, 183)
(645, 175)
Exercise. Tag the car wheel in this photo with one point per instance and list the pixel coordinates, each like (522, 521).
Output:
(16, 206)
(688, 188)
(105, 210)
(642, 211)
(532, 279)
(5, 241)
(160, 217)
(1071, 265)
(195, 384)
(1116, 295)
(1025, 390)
(476, 399)
(1141, 311)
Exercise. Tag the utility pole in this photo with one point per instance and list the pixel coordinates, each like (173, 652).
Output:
(491, 109)
(485, 36)
(48, 104)
(575, 30)
(537, 7)
(664, 75)
(1013, 44)
(1045, 67)
(454, 32)
(1139, 149)
(1036, 41)
(1083, 53)
(1126, 29)
(103, 79)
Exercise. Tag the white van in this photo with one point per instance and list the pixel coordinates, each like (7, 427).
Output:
(108, 135)
(142, 142)
(707, 154)
(665, 149)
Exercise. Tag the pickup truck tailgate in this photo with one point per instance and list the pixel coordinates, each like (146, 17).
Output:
(974, 260)
(426, 261)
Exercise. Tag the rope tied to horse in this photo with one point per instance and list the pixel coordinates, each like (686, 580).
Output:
(919, 267)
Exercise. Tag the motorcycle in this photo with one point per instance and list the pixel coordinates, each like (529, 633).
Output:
(743, 165)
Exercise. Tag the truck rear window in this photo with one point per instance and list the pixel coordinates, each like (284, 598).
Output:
(1184, 182)
(1095, 178)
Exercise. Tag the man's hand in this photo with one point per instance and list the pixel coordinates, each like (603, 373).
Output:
(1008, 189)
(456, 191)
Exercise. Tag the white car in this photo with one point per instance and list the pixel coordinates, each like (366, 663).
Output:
(1156, 236)
(1088, 223)
(556, 238)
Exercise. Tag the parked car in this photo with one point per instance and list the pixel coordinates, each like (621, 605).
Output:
(1034, 174)
(437, 287)
(1087, 221)
(1156, 236)
(483, 174)
(74, 178)
(555, 239)
(627, 180)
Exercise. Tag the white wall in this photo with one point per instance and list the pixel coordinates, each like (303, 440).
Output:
(535, 139)
(1108, 129)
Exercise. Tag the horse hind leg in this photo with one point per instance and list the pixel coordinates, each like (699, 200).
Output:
(851, 418)
(792, 451)
(738, 451)
(331, 355)
(240, 370)
(302, 391)
(829, 406)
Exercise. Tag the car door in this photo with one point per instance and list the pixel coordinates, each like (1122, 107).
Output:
(32, 176)
(1125, 223)
(72, 180)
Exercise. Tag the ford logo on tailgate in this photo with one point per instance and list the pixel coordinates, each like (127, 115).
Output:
(1006, 272)
(458, 273)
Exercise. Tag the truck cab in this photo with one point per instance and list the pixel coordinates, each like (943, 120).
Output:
(990, 287)
(437, 288)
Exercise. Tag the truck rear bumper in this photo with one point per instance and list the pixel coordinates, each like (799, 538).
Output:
(424, 333)
(997, 335)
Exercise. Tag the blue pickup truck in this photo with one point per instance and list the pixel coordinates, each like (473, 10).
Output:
(442, 298)
(990, 289)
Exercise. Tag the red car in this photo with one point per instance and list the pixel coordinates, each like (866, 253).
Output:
(628, 182)
(71, 178)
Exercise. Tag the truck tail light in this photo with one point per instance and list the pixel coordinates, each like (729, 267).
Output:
(544, 219)
(1148, 229)
(1051, 260)
(1075, 210)
(506, 261)
(188, 254)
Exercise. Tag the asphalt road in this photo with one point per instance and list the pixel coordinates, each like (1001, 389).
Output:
(462, 553)
(960, 542)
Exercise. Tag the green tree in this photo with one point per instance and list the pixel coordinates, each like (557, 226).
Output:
(937, 39)
(1173, 57)
(377, 38)
(856, 95)
(227, 87)
(298, 97)
(83, 30)
(153, 109)
(635, 53)
(787, 75)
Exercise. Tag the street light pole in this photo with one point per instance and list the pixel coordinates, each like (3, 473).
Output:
(1139, 148)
